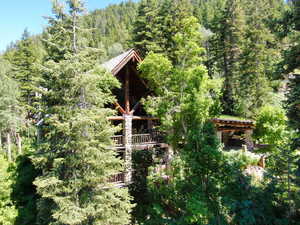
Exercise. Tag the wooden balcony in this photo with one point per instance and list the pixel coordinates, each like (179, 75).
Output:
(117, 179)
(141, 141)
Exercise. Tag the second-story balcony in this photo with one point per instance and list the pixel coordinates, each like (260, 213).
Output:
(141, 141)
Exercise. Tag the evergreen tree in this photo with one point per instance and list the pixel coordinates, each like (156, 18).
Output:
(165, 21)
(112, 25)
(145, 32)
(293, 103)
(27, 55)
(11, 113)
(75, 157)
(231, 35)
(254, 86)
(292, 60)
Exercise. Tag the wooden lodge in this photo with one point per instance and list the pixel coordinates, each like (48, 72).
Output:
(139, 131)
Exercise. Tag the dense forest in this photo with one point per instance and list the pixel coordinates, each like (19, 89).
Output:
(202, 59)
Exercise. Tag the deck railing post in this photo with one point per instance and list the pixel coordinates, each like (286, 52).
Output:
(248, 139)
(219, 135)
(128, 147)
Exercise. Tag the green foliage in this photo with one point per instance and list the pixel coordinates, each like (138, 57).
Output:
(245, 51)
(271, 126)
(27, 54)
(76, 146)
(142, 161)
(8, 211)
(75, 156)
(146, 31)
(241, 159)
(24, 193)
(230, 43)
(157, 24)
(111, 27)
(184, 101)
(184, 91)
(293, 102)
(10, 111)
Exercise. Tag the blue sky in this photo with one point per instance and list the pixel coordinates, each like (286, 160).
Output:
(16, 15)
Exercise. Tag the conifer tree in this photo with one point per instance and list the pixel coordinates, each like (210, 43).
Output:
(292, 60)
(231, 35)
(26, 56)
(76, 156)
(145, 32)
(165, 21)
(293, 103)
(11, 113)
(253, 81)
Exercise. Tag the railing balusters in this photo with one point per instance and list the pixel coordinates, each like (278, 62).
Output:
(154, 137)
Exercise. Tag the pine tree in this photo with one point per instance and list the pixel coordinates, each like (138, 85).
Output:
(157, 24)
(231, 35)
(76, 156)
(292, 59)
(26, 56)
(145, 32)
(253, 81)
(293, 106)
(11, 113)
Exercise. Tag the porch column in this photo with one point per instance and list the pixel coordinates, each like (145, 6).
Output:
(219, 135)
(127, 132)
(248, 139)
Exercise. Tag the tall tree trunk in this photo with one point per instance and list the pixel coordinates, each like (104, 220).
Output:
(19, 142)
(9, 155)
(74, 33)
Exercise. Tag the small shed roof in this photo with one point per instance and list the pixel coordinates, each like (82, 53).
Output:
(234, 124)
(115, 64)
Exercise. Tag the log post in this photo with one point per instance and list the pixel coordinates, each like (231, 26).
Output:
(127, 132)
(9, 154)
(248, 139)
(127, 102)
(219, 135)
(150, 124)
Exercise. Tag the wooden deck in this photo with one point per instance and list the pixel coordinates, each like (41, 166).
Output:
(141, 141)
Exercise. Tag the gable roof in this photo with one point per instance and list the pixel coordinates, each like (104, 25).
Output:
(115, 64)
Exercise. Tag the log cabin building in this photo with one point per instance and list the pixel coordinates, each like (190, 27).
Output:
(139, 131)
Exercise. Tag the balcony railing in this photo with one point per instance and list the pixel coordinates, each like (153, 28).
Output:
(118, 140)
(118, 178)
(139, 139)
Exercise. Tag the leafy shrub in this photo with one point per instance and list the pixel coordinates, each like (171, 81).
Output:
(241, 158)
(271, 126)
(8, 211)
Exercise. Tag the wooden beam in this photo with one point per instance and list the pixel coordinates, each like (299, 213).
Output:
(135, 107)
(144, 118)
(134, 118)
(119, 108)
(126, 89)
(232, 129)
(138, 76)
